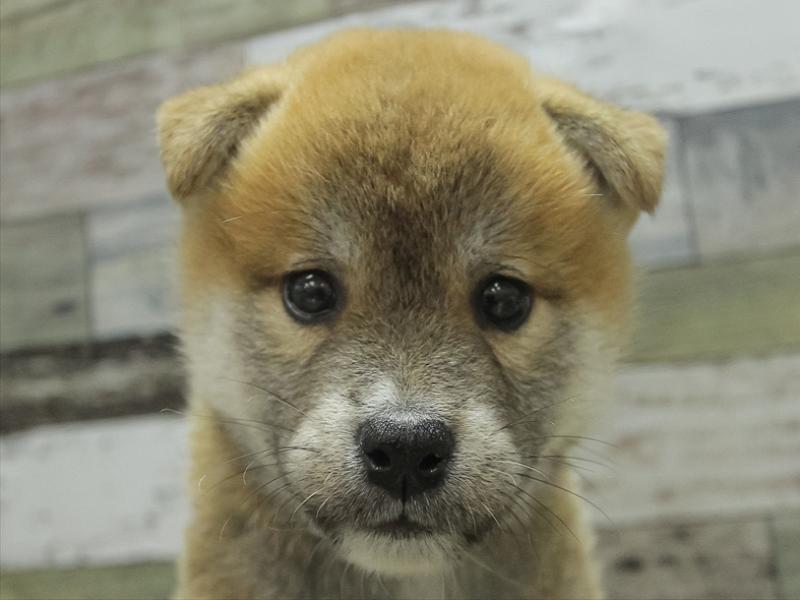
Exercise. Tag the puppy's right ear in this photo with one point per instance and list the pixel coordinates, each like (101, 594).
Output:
(201, 130)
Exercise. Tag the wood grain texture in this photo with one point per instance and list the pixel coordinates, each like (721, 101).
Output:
(716, 559)
(694, 443)
(726, 309)
(89, 140)
(133, 268)
(43, 296)
(786, 532)
(44, 38)
(126, 503)
(658, 55)
(743, 174)
(665, 238)
(699, 441)
(89, 381)
(149, 581)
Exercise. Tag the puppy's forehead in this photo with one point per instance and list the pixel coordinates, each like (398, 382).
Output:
(418, 173)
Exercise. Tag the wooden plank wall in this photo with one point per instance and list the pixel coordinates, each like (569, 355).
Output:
(705, 497)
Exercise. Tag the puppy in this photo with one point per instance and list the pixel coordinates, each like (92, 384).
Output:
(405, 284)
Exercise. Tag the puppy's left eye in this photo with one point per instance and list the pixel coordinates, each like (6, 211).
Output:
(503, 302)
(309, 296)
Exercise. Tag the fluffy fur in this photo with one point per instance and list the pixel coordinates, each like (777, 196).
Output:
(411, 165)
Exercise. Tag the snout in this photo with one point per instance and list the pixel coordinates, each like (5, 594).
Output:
(405, 458)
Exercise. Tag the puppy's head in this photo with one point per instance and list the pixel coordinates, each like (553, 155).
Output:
(405, 279)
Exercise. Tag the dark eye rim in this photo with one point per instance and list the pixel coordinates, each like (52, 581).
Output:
(305, 317)
(510, 325)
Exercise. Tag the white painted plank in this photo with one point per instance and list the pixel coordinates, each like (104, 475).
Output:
(101, 492)
(695, 442)
(701, 440)
(660, 55)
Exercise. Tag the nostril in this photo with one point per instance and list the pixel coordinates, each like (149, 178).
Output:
(379, 460)
(430, 463)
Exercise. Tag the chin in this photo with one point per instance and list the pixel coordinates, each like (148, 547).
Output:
(423, 554)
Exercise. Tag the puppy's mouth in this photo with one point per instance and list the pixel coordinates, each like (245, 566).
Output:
(401, 528)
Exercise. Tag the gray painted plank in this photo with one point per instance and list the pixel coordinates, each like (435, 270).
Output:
(117, 232)
(133, 268)
(665, 238)
(724, 560)
(743, 171)
(43, 296)
(89, 140)
(786, 530)
(135, 294)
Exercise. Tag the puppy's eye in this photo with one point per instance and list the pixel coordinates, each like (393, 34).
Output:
(503, 302)
(309, 296)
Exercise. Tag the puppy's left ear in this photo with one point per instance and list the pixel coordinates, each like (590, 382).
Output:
(624, 150)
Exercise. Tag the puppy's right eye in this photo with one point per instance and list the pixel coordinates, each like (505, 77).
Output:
(309, 296)
(503, 302)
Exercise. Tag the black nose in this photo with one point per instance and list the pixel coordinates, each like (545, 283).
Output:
(405, 458)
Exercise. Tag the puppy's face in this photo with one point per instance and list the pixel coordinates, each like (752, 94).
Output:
(405, 282)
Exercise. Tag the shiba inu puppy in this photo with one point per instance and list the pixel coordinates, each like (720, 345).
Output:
(405, 283)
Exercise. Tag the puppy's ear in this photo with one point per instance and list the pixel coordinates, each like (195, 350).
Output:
(623, 149)
(201, 130)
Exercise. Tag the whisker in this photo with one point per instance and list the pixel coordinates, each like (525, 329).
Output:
(342, 595)
(260, 425)
(278, 397)
(526, 418)
(320, 507)
(564, 458)
(299, 506)
(584, 438)
(492, 571)
(518, 497)
(549, 510)
(491, 514)
(518, 464)
(264, 485)
(563, 489)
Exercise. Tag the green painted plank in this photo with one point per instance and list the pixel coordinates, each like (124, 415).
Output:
(43, 296)
(47, 38)
(786, 529)
(738, 308)
(141, 582)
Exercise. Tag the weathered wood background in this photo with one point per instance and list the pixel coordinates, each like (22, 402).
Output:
(705, 495)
